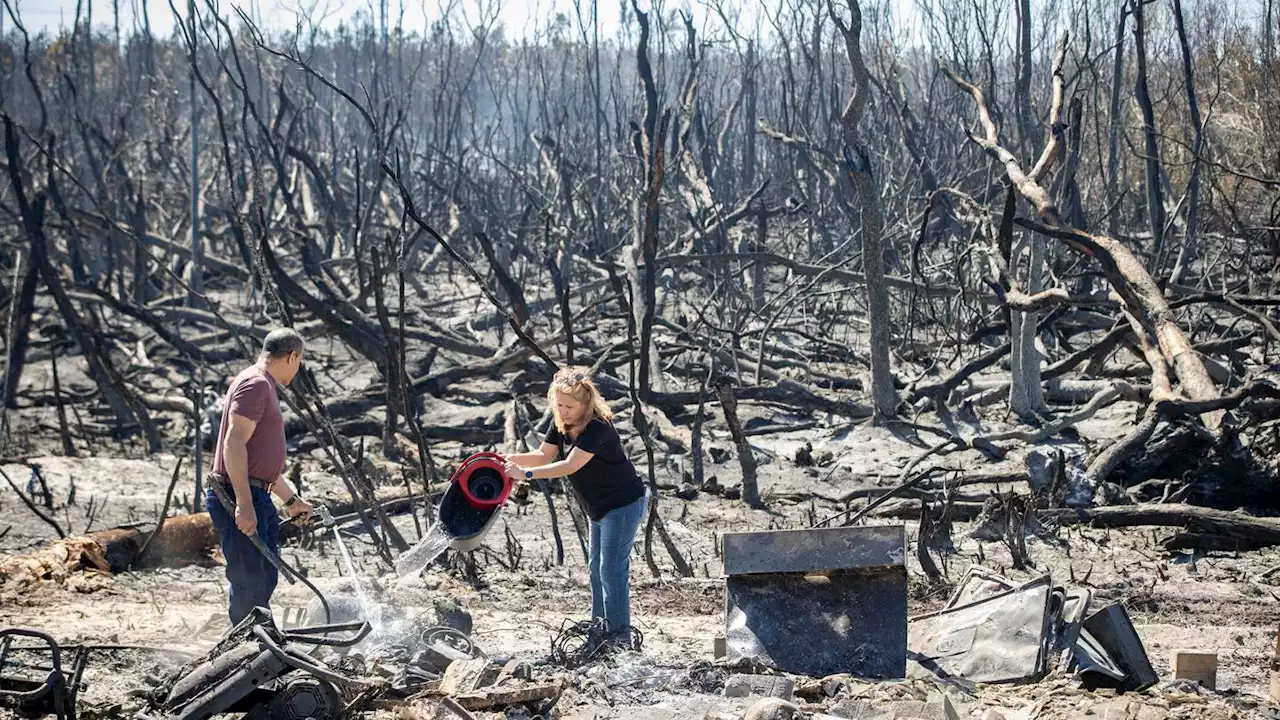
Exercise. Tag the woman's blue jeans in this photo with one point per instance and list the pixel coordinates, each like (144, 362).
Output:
(251, 575)
(611, 541)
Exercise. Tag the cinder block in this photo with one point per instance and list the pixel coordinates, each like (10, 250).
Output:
(721, 649)
(938, 707)
(740, 686)
(1196, 665)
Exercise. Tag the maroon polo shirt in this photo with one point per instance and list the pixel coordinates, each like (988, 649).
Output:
(252, 395)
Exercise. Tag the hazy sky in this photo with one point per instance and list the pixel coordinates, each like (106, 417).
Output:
(518, 16)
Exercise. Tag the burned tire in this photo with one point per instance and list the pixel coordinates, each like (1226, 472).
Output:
(304, 697)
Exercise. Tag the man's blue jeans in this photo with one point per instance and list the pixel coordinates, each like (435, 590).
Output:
(611, 541)
(252, 576)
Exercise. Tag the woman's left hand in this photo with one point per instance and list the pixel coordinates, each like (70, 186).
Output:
(514, 471)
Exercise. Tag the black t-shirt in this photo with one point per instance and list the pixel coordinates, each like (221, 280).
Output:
(608, 481)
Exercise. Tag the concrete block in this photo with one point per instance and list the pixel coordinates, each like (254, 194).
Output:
(938, 707)
(814, 550)
(439, 656)
(772, 709)
(1202, 667)
(720, 649)
(759, 685)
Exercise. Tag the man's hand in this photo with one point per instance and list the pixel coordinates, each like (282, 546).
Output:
(246, 518)
(301, 510)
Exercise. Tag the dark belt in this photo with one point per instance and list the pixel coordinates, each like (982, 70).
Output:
(226, 480)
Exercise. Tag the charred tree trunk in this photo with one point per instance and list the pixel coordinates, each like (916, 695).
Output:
(1187, 255)
(749, 118)
(20, 332)
(857, 167)
(1022, 82)
(1112, 177)
(1150, 137)
(123, 402)
(644, 279)
(750, 487)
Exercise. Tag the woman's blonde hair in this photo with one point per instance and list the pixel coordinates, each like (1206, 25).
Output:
(576, 383)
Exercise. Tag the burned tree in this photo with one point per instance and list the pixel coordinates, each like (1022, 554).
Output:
(857, 167)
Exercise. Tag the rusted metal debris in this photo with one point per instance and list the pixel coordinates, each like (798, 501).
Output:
(818, 601)
(36, 687)
(994, 630)
(272, 673)
(259, 669)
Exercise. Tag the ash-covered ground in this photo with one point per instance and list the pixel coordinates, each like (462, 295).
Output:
(519, 597)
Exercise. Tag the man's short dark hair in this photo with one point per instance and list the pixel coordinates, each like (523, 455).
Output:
(279, 343)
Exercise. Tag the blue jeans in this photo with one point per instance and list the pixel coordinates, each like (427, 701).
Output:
(611, 541)
(252, 576)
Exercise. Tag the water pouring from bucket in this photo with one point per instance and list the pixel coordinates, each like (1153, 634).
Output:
(470, 506)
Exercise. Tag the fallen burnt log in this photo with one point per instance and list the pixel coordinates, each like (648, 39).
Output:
(182, 539)
(908, 508)
(784, 392)
(467, 434)
(1243, 532)
(1197, 527)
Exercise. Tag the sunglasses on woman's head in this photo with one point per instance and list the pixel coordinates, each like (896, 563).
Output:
(570, 379)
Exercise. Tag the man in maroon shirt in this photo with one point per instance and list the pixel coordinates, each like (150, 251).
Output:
(250, 456)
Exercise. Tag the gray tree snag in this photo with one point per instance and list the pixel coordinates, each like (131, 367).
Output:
(1022, 83)
(1114, 120)
(647, 213)
(750, 485)
(1026, 397)
(1163, 343)
(857, 167)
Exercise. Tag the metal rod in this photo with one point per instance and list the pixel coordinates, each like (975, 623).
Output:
(196, 274)
(299, 661)
(197, 501)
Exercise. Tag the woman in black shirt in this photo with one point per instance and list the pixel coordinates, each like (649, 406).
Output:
(605, 481)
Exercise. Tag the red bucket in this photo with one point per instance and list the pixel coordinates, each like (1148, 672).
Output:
(483, 481)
